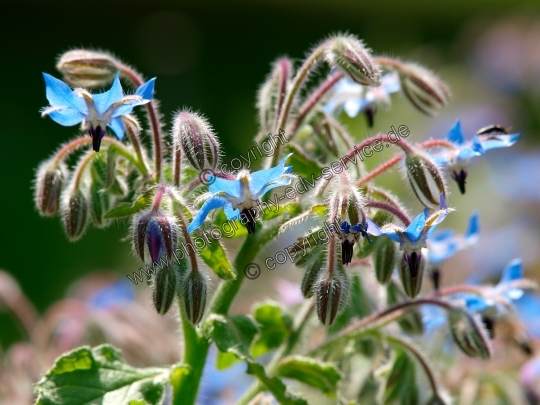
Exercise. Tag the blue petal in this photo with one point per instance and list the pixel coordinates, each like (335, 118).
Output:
(477, 145)
(117, 293)
(353, 106)
(473, 230)
(103, 101)
(455, 135)
(278, 183)
(66, 117)
(263, 177)
(146, 90)
(499, 141)
(234, 188)
(466, 153)
(117, 125)
(439, 253)
(212, 203)
(476, 304)
(443, 236)
(414, 231)
(513, 271)
(374, 230)
(59, 94)
(231, 213)
(391, 83)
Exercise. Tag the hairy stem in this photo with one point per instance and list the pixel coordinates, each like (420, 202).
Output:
(133, 134)
(392, 209)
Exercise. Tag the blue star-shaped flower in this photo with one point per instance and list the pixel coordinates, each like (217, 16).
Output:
(95, 111)
(444, 244)
(239, 197)
(353, 97)
(456, 161)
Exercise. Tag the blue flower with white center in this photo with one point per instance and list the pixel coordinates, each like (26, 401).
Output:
(353, 97)
(241, 196)
(457, 161)
(444, 244)
(95, 111)
(411, 241)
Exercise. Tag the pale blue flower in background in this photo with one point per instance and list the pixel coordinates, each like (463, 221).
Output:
(444, 244)
(95, 111)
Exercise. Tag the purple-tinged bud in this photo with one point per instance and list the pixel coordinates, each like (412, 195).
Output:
(384, 259)
(411, 272)
(84, 68)
(196, 138)
(469, 334)
(425, 179)
(166, 284)
(351, 56)
(155, 233)
(49, 183)
(411, 322)
(423, 88)
(194, 293)
(74, 213)
(332, 295)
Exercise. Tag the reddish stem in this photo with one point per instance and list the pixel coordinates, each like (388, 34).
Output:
(396, 211)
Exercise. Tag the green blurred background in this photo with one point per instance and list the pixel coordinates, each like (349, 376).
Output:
(212, 56)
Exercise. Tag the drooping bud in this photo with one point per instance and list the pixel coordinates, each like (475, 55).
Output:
(351, 56)
(155, 233)
(49, 183)
(84, 68)
(384, 259)
(313, 266)
(193, 298)
(425, 178)
(196, 138)
(469, 334)
(332, 295)
(166, 284)
(411, 272)
(74, 213)
(423, 88)
(411, 322)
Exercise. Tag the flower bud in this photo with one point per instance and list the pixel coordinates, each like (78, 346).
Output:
(350, 55)
(384, 259)
(425, 179)
(312, 271)
(156, 233)
(411, 272)
(84, 68)
(332, 295)
(194, 292)
(197, 140)
(74, 213)
(411, 322)
(423, 89)
(469, 334)
(49, 183)
(166, 283)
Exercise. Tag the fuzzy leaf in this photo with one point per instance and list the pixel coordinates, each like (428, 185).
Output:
(127, 209)
(401, 383)
(274, 327)
(99, 376)
(215, 257)
(303, 164)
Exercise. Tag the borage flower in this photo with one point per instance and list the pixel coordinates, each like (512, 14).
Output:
(349, 235)
(95, 112)
(240, 197)
(411, 241)
(456, 161)
(353, 97)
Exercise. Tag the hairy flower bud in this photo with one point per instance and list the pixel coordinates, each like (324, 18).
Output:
(313, 266)
(49, 183)
(156, 233)
(166, 284)
(384, 259)
(350, 55)
(425, 179)
(411, 272)
(195, 137)
(193, 297)
(74, 213)
(411, 322)
(332, 295)
(423, 88)
(84, 68)
(469, 334)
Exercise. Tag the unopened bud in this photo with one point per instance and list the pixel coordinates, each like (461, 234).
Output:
(332, 295)
(49, 183)
(384, 259)
(411, 322)
(74, 213)
(194, 292)
(166, 284)
(425, 179)
(156, 233)
(312, 272)
(469, 334)
(350, 55)
(84, 68)
(411, 272)
(423, 88)
(195, 136)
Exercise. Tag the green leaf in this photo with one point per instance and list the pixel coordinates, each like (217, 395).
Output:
(318, 374)
(401, 383)
(225, 360)
(271, 212)
(274, 327)
(215, 257)
(127, 209)
(99, 376)
(230, 228)
(303, 164)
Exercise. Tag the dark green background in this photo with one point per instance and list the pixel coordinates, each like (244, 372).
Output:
(210, 56)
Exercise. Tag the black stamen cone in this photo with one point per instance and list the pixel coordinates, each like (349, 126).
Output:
(247, 217)
(460, 179)
(414, 264)
(346, 251)
(436, 278)
(97, 135)
(370, 115)
(489, 323)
